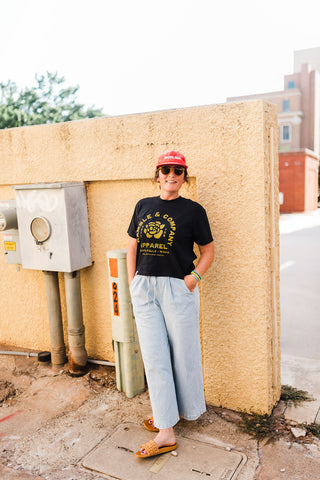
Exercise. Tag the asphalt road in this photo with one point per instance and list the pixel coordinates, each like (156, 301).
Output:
(300, 292)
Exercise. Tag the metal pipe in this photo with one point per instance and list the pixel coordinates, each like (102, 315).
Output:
(28, 354)
(58, 349)
(77, 355)
(25, 354)
(101, 362)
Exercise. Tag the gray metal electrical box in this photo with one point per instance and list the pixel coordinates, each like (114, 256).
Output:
(9, 229)
(53, 226)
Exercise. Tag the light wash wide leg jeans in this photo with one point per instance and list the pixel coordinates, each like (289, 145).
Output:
(167, 318)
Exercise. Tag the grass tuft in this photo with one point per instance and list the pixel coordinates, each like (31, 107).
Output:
(312, 428)
(291, 394)
(275, 426)
(262, 426)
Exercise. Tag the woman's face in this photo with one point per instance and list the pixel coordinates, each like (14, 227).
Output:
(171, 183)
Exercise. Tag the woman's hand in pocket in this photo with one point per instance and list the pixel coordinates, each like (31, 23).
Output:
(191, 282)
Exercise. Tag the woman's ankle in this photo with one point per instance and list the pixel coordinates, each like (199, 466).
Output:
(165, 436)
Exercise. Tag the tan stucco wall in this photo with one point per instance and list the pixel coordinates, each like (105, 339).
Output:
(231, 150)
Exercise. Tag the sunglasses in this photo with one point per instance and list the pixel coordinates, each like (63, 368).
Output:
(165, 170)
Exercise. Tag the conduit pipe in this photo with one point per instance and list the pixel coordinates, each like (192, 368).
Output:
(28, 354)
(77, 355)
(101, 362)
(24, 354)
(58, 349)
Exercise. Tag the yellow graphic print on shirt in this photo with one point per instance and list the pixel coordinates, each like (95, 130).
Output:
(155, 233)
(154, 229)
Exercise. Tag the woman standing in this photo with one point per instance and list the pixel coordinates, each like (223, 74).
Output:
(165, 298)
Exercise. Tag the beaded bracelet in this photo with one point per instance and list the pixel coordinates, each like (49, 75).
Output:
(196, 275)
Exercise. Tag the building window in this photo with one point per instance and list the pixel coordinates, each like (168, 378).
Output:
(286, 105)
(285, 133)
(291, 84)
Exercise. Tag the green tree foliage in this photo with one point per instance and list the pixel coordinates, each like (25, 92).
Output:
(50, 101)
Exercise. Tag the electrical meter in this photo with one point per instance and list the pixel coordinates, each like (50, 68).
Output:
(2, 222)
(40, 229)
(9, 229)
(53, 226)
(8, 215)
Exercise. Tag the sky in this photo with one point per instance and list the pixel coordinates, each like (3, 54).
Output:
(133, 56)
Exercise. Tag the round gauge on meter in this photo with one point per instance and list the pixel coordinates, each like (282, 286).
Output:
(40, 229)
(3, 222)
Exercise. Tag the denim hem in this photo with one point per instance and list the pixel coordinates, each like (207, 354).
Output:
(192, 417)
(166, 425)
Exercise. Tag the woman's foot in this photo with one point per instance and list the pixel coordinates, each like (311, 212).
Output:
(149, 425)
(165, 438)
(150, 449)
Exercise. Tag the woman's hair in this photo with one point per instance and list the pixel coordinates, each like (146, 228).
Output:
(156, 175)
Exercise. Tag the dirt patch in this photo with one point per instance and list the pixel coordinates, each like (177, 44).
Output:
(7, 390)
(103, 378)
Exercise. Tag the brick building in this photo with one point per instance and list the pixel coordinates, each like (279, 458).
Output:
(299, 131)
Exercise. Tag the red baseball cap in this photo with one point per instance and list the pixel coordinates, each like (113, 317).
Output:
(172, 157)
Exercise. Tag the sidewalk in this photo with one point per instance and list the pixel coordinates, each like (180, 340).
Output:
(57, 427)
(300, 372)
(292, 222)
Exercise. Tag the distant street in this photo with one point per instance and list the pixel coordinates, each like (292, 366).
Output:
(300, 293)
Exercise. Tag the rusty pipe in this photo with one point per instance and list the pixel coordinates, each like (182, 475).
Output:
(77, 355)
(58, 349)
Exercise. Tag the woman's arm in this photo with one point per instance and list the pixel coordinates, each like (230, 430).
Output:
(205, 260)
(131, 258)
